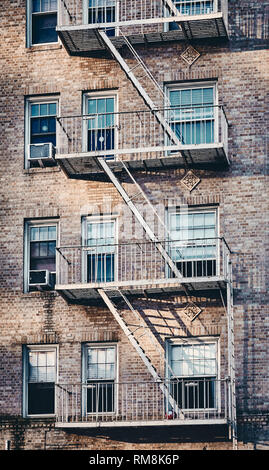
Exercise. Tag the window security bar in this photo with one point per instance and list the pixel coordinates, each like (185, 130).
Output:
(141, 261)
(135, 132)
(120, 12)
(202, 398)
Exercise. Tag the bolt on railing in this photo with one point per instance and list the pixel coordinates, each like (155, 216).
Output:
(202, 398)
(141, 261)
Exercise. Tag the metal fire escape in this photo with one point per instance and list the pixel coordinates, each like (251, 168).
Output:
(107, 293)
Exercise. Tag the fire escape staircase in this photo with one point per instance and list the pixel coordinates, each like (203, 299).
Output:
(105, 292)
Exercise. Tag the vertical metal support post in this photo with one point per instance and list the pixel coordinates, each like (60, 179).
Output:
(231, 358)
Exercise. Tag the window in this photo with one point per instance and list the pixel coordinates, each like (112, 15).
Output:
(40, 372)
(194, 7)
(40, 138)
(40, 255)
(42, 22)
(193, 114)
(101, 250)
(101, 11)
(193, 241)
(100, 124)
(99, 377)
(194, 372)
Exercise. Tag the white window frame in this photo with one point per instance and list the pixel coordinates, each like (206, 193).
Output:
(29, 15)
(198, 210)
(188, 17)
(193, 341)
(100, 345)
(49, 99)
(27, 226)
(25, 358)
(85, 9)
(100, 94)
(200, 84)
(97, 220)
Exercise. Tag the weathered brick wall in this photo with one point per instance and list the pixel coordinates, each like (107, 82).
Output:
(240, 68)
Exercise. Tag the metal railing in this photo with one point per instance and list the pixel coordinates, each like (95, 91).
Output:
(203, 398)
(128, 134)
(141, 262)
(121, 12)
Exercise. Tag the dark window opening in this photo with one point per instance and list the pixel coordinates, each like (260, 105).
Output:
(101, 267)
(195, 393)
(100, 397)
(41, 398)
(44, 28)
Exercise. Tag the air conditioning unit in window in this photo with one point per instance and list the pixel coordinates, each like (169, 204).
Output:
(41, 153)
(42, 280)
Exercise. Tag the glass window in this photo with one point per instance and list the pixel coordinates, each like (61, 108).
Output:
(192, 116)
(193, 242)
(41, 133)
(40, 378)
(41, 256)
(101, 258)
(101, 124)
(194, 7)
(194, 374)
(102, 11)
(100, 378)
(43, 21)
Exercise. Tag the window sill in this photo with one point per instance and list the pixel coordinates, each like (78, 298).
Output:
(48, 416)
(44, 47)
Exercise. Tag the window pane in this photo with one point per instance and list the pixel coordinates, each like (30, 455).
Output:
(101, 106)
(43, 233)
(110, 105)
(50, 358)
(42, 359)
(92, 371)
(52, 233)
(110, 371)
(185, 97)
(44, 28)
(210, 367)
(35, 110)
(52, 109)
(176, 353)
(43, 249)
(41, 398)
(111, 355)
(33, 374)
(51, 248)
(34, 233)
(50, 374)
(36, 6)
(43, 110)
(194, 360)
(208, 97)
(32, 358)
(101, 356)
(92, 106)
(92, 355)
(197, 96)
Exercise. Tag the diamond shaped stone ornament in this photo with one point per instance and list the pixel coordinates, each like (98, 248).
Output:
(190, 55)
(190, 180)
(192, 311)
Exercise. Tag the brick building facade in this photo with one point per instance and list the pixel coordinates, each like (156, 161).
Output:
(70, 378)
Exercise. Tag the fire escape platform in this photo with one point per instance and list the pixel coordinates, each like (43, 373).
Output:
(204, 156)
(161, 422)
(89, 291)
(82, 39)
